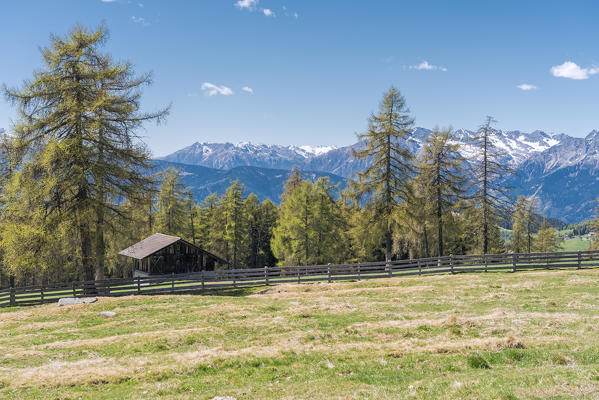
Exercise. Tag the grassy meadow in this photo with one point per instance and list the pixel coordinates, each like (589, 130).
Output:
(525, 335)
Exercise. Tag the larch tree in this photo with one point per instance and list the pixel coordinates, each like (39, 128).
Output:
(293, 236)
(171, 215)
(523, 224)
(76, 135)
(442, 178)
(491, 195)
(207, 214)
(547, 239)
(329, 224)
(235, 225)
(386, 181)
(261, 219)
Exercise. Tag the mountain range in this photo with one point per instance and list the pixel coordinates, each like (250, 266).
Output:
(560, 170)
(266, 183)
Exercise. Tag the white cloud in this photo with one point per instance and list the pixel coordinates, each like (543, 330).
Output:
(424, 65)
(192, 94)
(526, 86)
(213, 90)
(268, 12)
(109, 1)
(571, 70)
(296, 15)
(140, 20)
(248, 89)
(247, 4)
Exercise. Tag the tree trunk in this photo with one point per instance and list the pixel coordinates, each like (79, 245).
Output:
(485, 199)
(388, 246)
(85, 248)
(439, 210)
(426, 245)
(100, 243)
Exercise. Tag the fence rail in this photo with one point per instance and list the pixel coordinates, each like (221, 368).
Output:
(227, 279)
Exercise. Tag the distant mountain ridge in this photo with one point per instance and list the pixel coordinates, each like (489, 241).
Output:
(562, 171)
(517, 145)
(266, 183)
(229, 155)
(564, 177)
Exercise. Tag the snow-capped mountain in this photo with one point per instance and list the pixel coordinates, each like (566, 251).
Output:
(517, 145)
(229, 155)
(560, 170)
(565, 178)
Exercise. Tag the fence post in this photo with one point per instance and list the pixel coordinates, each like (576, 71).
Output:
(12, 290)
(234, 279)
(419, 268)
(139, 285)
(485, 261)
(266, 274)
(202, 275)
(451, 262)
(329, 272)
(514, 261)
(359, 272)
(172, 282)
(390, 270)
(42, 293)
(74, 290)
(579, 259)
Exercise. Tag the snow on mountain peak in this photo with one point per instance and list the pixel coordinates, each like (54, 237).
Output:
(317, 150)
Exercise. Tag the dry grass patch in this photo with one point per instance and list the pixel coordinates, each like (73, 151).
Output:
(387, 339)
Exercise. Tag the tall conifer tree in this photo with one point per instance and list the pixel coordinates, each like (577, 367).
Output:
(442, 176)
(491, 195)
(76, 135)
(385, 183)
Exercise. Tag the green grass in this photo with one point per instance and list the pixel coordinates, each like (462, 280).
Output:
(528, 335)
(575, 244)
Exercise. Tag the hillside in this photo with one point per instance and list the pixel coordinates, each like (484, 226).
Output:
(485, 336)
(266, 183)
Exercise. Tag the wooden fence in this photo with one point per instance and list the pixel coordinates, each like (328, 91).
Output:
(228, 279)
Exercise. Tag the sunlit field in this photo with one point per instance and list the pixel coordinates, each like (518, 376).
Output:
(498, 335)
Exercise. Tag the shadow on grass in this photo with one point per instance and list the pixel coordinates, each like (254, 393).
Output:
(226, 292)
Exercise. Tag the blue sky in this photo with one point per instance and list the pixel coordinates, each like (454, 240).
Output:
(309, 72)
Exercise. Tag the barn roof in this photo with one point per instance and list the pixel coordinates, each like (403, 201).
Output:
(149, 246)
(159, 241)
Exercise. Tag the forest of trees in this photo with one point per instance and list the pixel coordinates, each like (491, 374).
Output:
(76, 187)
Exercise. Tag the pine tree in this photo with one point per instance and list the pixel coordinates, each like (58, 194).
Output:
(522, 225)
(491, 195)
(293, 236)
(329, 224)
(547, 240)
(171, 216)
(363, 234)
(310, 226)
(76, 130)
(252, 211)
(192, 216)
(268, 216)
(385, 183)
(261, 220)
(206, 214)
(294, 180)
(442, 177)
(236, 224)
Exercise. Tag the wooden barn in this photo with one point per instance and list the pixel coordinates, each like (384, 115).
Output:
(165, 254)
